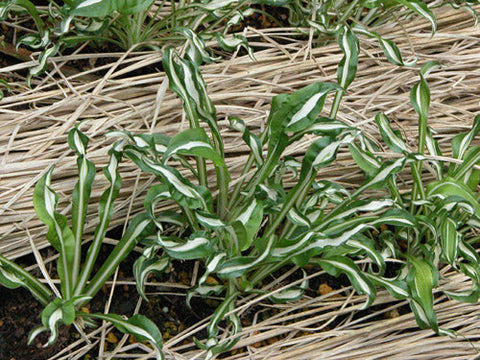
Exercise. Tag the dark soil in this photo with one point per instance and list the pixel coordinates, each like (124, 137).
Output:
(18, 316)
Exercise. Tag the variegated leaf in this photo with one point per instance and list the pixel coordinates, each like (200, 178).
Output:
(421, 279)
(193, 142)
(347, 67)
(360, 282)
(449, 187)
(397, 288)
(138, 325)
(81, 193)
(450, 239)
(105, 212)
(421, 9)
(197, 246)
(144, 266)
(292, 293)
(391, 137)
(59, 234)
(237, 266)
(12, 276)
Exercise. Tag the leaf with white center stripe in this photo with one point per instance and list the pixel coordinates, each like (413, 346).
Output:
(197, 246)
(238, 266)
(421, 9)
(208, 285)
(12, 276)
(182, 190)
(396, 217)
(387, 170)
(470, 296)
(46, 54)
(103, 8)
(449, 187)
(59, 234)
(298, 218)
(465, 172)
(468, 252)
(250, 139)
(209, 220)
(364, 159)
(234, 42)
(212, 345)
(347, 67)
(397, 288)
(105, 212)
(138, 325)
(292, 293)
(297, 111)
(360, 282)
(392, 138)
(390, 49)
(205, 290)
(193, 142)
(323, 126)
(144, 266)
(287, 246)
(81, 193)
(449, 239)
(461, 142)
(251, 217)
(354, 208)
(421, 279)
(322, 152)
(195, 47)
(367, 245)
(57, 312)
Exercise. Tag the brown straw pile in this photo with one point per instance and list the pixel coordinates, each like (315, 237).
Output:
(125, 91)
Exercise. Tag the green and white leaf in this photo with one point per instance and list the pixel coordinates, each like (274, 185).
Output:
(138, 325)
(59, 234)
(144, 266)
(360, 282)
(292, 293)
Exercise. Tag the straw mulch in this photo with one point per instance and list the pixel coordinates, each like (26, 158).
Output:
(127, 93)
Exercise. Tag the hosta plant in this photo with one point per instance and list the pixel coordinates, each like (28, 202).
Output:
(245, 229)
(79, 282)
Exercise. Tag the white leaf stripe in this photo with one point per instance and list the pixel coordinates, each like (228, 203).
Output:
(305, 109)
(374, 205)
(391, 52)
(186, 190)
(450, 241)
(87, 3)
(298, 218)
(49, 197)
(236, 268)
(328, 153)
(187, 247)
(101, 227)
(245, 216)
(364, 286)
(389, 135)
(334, 242)
(210, 221)
(54, 318)
(298, 243)
(348, 51)
(390, 285)
(372, 252)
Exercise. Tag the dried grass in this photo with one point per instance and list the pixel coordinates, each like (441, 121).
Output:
(127, 93)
